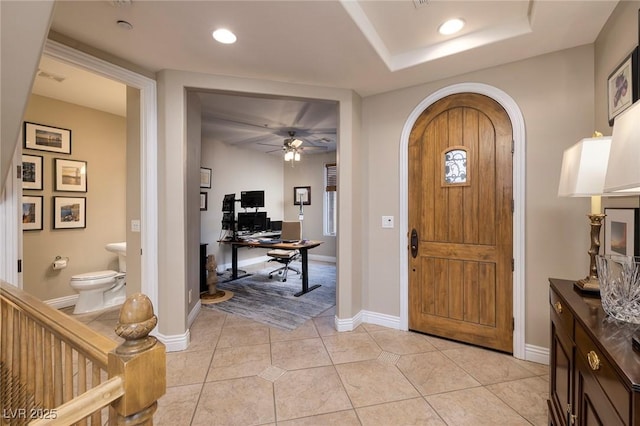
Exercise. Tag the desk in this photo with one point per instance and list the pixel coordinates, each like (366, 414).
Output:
(302, 247)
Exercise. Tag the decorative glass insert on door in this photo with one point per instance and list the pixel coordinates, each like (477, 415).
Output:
(455, 166)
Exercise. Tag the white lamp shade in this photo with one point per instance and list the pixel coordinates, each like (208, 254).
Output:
(623, 174)
(288, 156)
(584, 167)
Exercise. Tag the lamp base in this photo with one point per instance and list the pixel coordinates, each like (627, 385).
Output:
(590, 285)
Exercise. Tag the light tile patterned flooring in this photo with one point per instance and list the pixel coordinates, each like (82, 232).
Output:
(240, 372)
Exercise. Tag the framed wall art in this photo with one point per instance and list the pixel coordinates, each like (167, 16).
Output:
(71, 175)
(205, 177)
(32, 172)
(32, 213)
(69, 212)
(621, 232)
(47, 138)
(203, 201)
(302, 194)
(623, 85)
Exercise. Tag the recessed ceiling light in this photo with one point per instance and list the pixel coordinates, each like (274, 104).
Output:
(451, 26)
(224, 36)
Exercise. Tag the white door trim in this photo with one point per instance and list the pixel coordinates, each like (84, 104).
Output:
(148, 153)
(517, 122)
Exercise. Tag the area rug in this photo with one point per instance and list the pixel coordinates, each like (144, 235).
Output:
(272, 302)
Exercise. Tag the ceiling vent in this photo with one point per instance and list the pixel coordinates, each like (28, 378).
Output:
(118, 3)
(420, 3)
(51, 76)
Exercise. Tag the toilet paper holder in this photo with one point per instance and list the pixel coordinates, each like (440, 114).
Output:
(59, 262)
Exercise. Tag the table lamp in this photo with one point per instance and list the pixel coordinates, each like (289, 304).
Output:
(584, 167)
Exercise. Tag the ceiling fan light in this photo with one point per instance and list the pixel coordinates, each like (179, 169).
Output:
(288, 156)
(296, 156)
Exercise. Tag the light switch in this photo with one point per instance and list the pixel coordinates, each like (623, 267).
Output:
(387, 221)
(135, 225)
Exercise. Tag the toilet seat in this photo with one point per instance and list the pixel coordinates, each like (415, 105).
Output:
(93, 278)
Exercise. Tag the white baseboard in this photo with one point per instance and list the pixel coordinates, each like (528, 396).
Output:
(384, 320)
(536, 354)
(62, 302)
(176, 342)
(193, 314)
(241, 263)
(322, 258)
(348, 324)
(532, 353)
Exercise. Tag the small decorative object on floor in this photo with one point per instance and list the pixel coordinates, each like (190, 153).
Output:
(213, 295)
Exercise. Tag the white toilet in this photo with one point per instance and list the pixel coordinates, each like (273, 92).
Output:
(102, 289)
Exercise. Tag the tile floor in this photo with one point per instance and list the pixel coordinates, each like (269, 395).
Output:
(240, 372)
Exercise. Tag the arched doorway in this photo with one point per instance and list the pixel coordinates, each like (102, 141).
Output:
(517, 121)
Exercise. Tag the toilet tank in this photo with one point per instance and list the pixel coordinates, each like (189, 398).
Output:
(121, 250)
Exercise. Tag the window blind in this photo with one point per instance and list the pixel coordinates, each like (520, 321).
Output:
(331, 177)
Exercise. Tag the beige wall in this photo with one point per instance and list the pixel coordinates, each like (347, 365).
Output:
(235, 170)
(555, 94)
(99, 139)
(616, 40)
(134, 244)
(310, 172)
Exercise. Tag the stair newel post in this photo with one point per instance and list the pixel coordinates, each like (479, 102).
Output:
(140, 360)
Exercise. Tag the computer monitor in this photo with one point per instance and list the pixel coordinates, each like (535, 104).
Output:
(250, 199)
(227, 220)
(228, 203)
(256, 221)
(276, 225)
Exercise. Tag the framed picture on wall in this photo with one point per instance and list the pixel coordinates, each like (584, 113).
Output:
(623, 85)
(301, 194)
(621, 232)
(205, 177)
(32, 213)
(203, 201)
(47, 138)
(32, 172)
(71, 175)
(69, 212)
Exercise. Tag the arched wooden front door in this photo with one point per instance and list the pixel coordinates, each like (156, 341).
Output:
(460, 222)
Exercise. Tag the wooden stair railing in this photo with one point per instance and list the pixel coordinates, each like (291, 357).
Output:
(56, 370)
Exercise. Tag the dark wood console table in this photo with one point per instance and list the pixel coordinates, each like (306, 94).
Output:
(594, 371)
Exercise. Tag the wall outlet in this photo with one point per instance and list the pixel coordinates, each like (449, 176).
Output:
(135, 225)
(387, 221)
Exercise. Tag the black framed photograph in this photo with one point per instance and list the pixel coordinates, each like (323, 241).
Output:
(205, 177)
(621, 233)
(71, 175)
(32, 172)
(203, 201)
(47, 138)
(32, 213)
(301, 195)
(623, 85)
(69, 212)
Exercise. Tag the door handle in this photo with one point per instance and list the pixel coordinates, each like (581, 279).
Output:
(414, 243)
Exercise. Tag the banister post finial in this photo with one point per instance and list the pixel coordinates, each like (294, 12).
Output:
(141, 360)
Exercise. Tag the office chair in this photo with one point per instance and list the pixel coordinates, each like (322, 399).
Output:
(291, 231)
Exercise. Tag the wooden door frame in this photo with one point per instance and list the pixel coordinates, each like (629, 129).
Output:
(517, 122)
